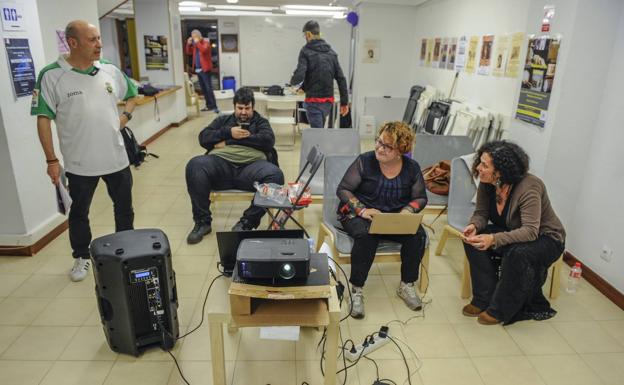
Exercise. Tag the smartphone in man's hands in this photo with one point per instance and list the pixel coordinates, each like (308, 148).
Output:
(244, 125)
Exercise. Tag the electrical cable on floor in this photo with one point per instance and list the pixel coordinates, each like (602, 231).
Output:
(409, 380)
(165, 331)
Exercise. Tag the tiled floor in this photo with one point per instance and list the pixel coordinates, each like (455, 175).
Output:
(50, 331)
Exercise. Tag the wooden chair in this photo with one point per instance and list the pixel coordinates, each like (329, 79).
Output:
(192, 99)
(340, 242)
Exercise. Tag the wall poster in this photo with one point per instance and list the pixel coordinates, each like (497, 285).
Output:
(472, 54)
(444, 53)
(156, 52)
(229, 43)
(451, 54)
(423, 51)
(462, 51)
(371, 51)
(21, 66)
(501, 55)
(430, 43)
(537, 80)
(513, 66)
(485, 58)
(436, 52)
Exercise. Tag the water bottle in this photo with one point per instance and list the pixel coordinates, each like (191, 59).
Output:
(574, 278)
(311, 245)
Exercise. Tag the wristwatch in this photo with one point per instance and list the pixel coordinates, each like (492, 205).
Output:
(128, 115)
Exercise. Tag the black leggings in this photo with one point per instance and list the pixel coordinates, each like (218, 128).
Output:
(517, 294)
(365, 248)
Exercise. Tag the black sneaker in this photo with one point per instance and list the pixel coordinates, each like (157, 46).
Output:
(242, 225)
(198, 232)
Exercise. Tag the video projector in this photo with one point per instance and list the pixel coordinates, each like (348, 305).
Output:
(273, 259)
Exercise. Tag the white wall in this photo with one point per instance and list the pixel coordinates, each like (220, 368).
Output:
(54, 15)
(27, 207)
(110, 48)
(585, 162)
(229, 63)
(454, 18)
(152, 18)
(393, 26)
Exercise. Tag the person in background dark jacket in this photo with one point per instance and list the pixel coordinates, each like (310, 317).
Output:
(239, 152)
(317, 68)
(199, 48)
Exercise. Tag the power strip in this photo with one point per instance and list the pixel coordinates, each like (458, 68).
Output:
(371, 346)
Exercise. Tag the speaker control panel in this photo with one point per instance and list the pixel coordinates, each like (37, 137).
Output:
(149, 277)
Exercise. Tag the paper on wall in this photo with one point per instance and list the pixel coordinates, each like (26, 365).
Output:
(462, 51)
(485, 58)
(514, 64)
(471, 61)
(501, 55)
(452, 51)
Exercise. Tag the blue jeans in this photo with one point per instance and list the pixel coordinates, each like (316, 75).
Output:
(317, 113)
(206, 87)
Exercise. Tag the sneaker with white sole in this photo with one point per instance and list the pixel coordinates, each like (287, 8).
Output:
(407, 292)
(357, 303)
(80, 269)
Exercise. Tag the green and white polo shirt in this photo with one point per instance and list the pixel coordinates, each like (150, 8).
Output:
(84, 106)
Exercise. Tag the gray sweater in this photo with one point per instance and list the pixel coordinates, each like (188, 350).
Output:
(530, 213)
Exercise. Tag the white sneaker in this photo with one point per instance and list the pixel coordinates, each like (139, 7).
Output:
(357, 303)
(407, 292)
(80, 269)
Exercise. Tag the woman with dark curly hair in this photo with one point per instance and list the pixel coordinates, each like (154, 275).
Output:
(509, 258)
(384, 180)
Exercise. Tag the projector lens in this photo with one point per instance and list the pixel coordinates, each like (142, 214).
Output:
(287, 271)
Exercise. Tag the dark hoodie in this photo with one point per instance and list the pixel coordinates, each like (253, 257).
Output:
(317, 68)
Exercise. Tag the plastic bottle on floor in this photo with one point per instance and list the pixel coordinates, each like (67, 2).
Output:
(574, 278)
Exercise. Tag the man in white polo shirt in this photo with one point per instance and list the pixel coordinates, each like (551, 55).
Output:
(80, 93)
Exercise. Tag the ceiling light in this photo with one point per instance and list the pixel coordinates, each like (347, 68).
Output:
(242, 8)
(192, 4)
(313, 8)
(301, 12)
(189, 9)
(232, 1)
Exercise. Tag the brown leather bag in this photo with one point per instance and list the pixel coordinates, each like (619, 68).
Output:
(438, 177)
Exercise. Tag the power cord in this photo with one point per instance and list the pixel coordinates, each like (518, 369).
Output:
(348, 288)
(164, 331)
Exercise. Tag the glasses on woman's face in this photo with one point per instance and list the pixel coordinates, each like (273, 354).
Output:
(380, 144)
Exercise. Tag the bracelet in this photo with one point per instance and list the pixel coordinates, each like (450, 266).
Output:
(362, 212)
(52, 161)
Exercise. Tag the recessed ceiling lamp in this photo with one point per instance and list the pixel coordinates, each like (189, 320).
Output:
(232, 1)
(189, 9)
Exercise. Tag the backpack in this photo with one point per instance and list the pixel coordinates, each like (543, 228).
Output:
(438, 177)
(275, 91)
(136, 152)
(148, 90)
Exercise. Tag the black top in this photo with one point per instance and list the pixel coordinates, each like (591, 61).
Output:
(365, 186)
(317, 68)
(261, 138)
(496, 218)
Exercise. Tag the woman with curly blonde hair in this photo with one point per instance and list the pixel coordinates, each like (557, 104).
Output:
(383, 181)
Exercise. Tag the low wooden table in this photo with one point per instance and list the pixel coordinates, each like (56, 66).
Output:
(257, 306)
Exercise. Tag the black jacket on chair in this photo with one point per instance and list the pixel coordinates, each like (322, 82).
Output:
(261, 138)
(317, 68)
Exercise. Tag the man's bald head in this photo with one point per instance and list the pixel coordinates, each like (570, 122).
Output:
(83, 39)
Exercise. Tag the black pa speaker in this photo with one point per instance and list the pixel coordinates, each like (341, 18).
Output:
(136, 290)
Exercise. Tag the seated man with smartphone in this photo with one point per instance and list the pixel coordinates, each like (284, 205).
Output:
(239, 152)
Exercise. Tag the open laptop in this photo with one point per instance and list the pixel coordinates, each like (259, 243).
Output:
(228, 241)
(395, 223)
